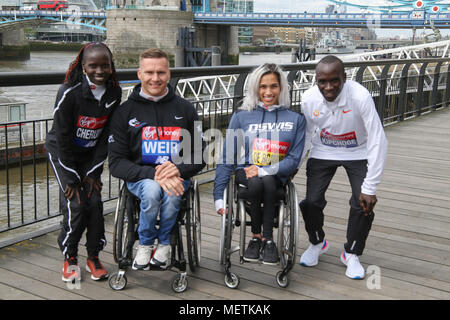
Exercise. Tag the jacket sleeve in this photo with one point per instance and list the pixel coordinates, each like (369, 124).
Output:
(64, 122)
(119, 155)
(192, 164)
(227, 160)
(101, 149)
(376, 147)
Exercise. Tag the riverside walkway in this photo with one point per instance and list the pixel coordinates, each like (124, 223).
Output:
(408, 247)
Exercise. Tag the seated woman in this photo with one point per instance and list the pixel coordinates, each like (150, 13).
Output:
(264, 144)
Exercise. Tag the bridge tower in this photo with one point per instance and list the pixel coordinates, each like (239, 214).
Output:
(135, 25)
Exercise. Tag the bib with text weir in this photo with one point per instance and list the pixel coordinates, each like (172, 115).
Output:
(159, 146)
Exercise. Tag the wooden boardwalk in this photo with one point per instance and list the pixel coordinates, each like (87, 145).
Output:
(409, 243)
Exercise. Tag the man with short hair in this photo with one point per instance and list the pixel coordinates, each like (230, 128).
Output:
(152, 149)
(345, 130)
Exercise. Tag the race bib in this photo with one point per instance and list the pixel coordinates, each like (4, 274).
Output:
(346, 140)
(89, 130)
(267, 152)
(160, 146)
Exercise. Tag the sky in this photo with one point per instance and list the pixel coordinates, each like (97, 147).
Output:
(320, 5)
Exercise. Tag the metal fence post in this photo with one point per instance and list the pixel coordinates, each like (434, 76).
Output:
(402, 94)
(420, 88)
(434, 94)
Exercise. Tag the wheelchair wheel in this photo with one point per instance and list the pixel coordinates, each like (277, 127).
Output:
(226, 229)
(288, 227)
(179, 283)
(232, 280)
(193, 227)
(124, 225)
(282, 280)
(117, 282)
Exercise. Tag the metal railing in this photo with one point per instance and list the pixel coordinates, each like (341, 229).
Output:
(29, 194)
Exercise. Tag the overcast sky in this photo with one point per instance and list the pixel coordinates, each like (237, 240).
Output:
(320, 5)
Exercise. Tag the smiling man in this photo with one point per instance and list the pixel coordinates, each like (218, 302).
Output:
(343, 129)
(146, 139)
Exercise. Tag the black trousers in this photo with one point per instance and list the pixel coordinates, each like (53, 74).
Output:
(261, 190)
(319, 174)
(78, 218)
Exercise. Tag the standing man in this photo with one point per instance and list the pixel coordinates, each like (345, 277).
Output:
(343, 129)
(149, 132)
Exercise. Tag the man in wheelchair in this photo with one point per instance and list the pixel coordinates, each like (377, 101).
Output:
(146, 151)
(264, 143)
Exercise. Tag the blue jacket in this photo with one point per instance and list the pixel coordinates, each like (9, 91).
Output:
(273, 140)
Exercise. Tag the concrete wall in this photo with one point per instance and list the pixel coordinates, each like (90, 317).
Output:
(14, 45)
(129, 32)
(226, 37)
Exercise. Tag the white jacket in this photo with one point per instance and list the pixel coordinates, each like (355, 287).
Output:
(346, 129)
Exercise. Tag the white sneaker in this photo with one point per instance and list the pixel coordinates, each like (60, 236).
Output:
(143, 256)
(161, 256)
(354, 268)
(310, 257)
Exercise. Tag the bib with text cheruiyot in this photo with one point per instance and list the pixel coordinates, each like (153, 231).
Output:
(160, 146)
(267, 152)
(89, 130)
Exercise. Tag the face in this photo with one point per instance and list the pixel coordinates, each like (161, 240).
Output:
(269, 89)
(330, 79)
(97, 65)
(154, 74)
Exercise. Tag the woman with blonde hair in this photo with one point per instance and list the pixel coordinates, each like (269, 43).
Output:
(272, 139)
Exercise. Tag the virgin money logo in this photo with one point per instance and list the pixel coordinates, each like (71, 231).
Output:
(91, 122)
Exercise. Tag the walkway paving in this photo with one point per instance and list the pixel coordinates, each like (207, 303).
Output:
(409, 245)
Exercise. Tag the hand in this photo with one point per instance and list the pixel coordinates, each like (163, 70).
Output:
(251, 171)
(222, 211)
(171, 186)
(72, 190)
(93, 183)
(166, 170)
(367, 203)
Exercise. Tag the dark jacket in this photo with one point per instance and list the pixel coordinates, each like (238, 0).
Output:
(146, 133)
(80, 129)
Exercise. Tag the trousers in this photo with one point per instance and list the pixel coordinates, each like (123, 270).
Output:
(154, 200)
(319, 174)
(78, 218)
(261, 190)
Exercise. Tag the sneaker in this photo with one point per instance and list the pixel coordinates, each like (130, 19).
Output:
(354, 268)
(143, 256)
(310, 257)
(161, 256)
(253, 250)
(71, 271)
(269, 252)
(97, 270)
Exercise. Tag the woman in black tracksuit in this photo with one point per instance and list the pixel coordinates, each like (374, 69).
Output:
(77, 149)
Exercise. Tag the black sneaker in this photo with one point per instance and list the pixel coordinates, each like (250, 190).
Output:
(269, 252)
(253, 249)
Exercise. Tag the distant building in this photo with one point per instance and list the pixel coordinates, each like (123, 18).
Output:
(245, 34)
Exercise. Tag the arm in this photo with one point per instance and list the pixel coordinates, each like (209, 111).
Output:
(64, 123)
(101, 148)
(119, 155)
(376, 155)
(227, 163)
(290, 163)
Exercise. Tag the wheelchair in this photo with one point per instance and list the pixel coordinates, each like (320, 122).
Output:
(126, 233)
(237, 205)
